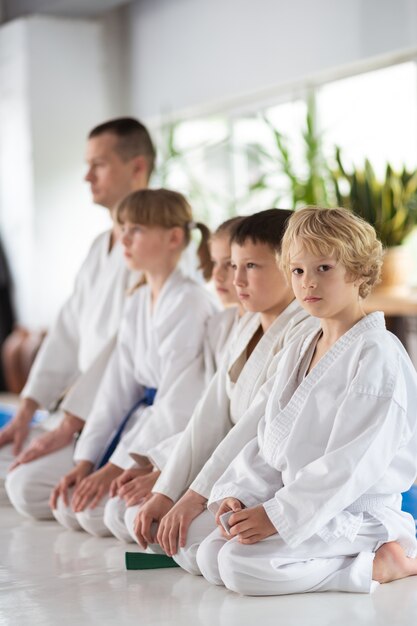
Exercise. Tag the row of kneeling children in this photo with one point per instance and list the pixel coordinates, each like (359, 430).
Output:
(291, 410)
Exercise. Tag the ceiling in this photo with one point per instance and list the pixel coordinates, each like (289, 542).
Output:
(12, 9)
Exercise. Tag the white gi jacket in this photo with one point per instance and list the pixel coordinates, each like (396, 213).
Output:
(338, 443)
(161, 349)
(220, 331)
(236, 395)
(85, 327)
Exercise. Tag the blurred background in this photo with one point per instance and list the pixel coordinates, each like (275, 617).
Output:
(250, 104)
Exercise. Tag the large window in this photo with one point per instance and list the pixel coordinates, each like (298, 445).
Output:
(240, 163)
(374, 116)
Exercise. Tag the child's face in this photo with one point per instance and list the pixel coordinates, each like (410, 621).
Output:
(322, 285)
(144, 246)
(222, 270)
(260, 284)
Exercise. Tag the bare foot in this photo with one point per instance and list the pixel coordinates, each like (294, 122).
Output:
(391, 563)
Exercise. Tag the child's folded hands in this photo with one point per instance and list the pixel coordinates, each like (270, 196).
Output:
(248, 525)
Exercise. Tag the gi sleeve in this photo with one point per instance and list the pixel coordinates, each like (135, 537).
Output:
(367, 432)
(80, 398)
(248, 478)
(228, 448)
(116, 395)
(181, 383)
(56, 365)
(205, 430)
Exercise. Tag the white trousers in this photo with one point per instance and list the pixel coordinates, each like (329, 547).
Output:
(271, 567)
(128, 522)
(114, 519)
(7, 457)
(200, 528)
(29, 486)
(90, 520)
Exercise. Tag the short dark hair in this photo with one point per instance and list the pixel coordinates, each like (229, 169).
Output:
(264, 227)
(133, 139)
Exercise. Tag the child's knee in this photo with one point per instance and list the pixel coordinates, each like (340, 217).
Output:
(113, 518)
(112, 513)
(207, 558)
(232, 569)
(92, 521)
(64, 515)
(186, 558)
(23, 491)
(200, 528)
(130, 519)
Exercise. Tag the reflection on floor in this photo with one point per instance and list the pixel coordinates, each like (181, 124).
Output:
(50, 576)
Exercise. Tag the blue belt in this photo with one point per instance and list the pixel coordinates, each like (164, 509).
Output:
(147, 399)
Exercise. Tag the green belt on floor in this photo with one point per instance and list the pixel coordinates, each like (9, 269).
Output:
(141, 560)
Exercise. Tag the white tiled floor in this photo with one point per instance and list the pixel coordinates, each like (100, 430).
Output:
(52, 576)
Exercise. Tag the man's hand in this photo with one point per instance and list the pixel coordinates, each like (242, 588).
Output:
(50, 441)
(251, 525)
(151, 512)
(172, 531)
(72, 479)
(17, 430)
(94, 487)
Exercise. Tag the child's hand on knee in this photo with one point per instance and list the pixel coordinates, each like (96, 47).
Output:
(173, 528)
(150, 514)
(72, 479)
(94, 487)
(251, 525)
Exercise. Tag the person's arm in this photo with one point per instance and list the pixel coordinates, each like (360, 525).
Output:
(249, 478)
(76, 406)
(181, 381)
(220, 332)
(116, 395)
(80, 398)
(16, 431)
(207, 427)
(54, 369)
(230, 446)
(367, 432)
(56, 366)
(50, 441)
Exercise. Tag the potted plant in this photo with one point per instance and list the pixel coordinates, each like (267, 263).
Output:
(307, 187)
(390, 205)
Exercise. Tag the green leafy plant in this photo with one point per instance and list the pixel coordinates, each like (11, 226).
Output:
(389, 205)
(203, 195)
(310, 187)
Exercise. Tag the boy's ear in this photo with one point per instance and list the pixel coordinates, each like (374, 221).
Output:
(358, 281)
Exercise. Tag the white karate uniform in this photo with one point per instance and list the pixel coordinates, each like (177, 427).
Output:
(71, 361)
(220, 331)
(226, 418)
(333, 454)
(86, 323)
(162, 349)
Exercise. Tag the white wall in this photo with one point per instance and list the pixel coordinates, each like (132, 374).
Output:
(188, 53)
(60, 77)
(16, 171)
(53, 89)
